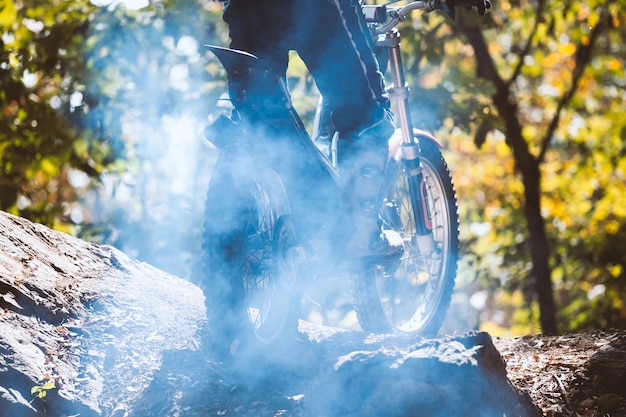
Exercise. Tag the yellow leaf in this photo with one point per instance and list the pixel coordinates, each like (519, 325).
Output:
(568, 49)
(8, 13)
(594, 18)
(49, 166)
(614, 64)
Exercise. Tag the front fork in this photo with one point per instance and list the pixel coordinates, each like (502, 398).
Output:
(410, 149)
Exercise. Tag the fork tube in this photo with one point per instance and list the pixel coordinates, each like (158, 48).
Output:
(410, 146)
(399, 92)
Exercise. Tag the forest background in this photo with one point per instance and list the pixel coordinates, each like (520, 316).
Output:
(103, 106)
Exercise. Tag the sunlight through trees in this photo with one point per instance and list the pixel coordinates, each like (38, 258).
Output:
(103, 108)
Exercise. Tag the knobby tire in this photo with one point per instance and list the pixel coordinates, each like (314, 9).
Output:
(247, 231)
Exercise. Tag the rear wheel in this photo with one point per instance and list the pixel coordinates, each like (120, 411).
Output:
(249, 247)
(412, 295)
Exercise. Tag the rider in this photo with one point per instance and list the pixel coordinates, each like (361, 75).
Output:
(332, 40)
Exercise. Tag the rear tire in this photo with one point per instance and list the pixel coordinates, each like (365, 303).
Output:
(248, 282)
(412, 296)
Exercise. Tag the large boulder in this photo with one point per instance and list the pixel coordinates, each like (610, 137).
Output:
(85, 318)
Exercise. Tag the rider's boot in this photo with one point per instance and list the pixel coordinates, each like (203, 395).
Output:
(261, 99)
(362, 174)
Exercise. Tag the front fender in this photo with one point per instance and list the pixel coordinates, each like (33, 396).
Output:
(395, 141)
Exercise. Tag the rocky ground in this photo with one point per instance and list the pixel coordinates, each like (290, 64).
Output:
(116, 337)
(574, 375)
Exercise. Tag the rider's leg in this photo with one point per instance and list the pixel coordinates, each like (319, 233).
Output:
(362, 174)
(261, 28)
(333, 43)
(345, 69)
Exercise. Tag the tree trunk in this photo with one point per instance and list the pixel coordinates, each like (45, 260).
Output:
(528, 166)
(538, 246)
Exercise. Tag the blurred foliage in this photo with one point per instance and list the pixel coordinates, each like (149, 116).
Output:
(41, 70)
(582, 167)
(103, 110)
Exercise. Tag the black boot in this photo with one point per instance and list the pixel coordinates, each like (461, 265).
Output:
(362, 161)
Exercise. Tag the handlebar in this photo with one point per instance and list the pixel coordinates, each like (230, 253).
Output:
(389, 17)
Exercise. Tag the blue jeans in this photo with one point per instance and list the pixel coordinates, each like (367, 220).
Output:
(331, 39)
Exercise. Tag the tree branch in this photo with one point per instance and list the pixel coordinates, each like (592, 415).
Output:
(582, 57)
(486, 68)
(526, 49)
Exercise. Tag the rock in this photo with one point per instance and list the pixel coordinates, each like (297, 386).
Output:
(333, 373)
(456, 376)
(85, 317)
(119, 338)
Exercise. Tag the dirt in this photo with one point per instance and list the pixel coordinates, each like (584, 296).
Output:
(582, 374)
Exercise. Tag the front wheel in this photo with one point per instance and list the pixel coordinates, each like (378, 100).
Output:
(412, 295)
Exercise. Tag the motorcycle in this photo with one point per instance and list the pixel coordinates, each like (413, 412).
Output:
(275, 218)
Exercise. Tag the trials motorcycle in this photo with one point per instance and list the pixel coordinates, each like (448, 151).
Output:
(275, 218)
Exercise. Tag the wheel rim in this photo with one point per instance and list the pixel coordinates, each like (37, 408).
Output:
(411, 292)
